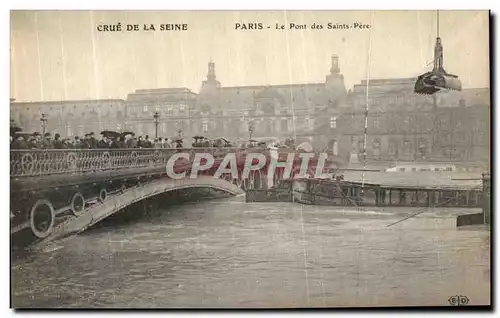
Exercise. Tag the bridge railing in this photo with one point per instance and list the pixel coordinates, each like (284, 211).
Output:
(40, 162)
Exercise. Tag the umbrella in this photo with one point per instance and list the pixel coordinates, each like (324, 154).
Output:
(110, 134)
(305, 146)
(198, 137)
(128, 133)
(253, 140)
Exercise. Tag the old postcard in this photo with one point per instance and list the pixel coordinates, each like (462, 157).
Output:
(250, 159)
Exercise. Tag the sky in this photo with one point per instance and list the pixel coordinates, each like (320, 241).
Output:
(60, 55)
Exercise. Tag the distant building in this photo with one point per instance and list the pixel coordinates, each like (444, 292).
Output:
(271, 110)
(451, 126)
(71, 117)
(175, 107)
(402, 125)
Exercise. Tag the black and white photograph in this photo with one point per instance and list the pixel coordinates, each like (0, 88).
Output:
(164, 159)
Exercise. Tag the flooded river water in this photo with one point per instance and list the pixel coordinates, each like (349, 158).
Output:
(228, 253)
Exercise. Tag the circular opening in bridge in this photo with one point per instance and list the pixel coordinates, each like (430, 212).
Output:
(42, 218)
(103, 194)
(77, 203)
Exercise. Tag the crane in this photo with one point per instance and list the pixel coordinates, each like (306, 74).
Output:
(437, 79)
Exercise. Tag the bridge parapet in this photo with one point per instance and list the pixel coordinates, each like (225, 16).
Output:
(38, 162)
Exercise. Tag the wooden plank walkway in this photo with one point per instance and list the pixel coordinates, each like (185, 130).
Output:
(421, 180)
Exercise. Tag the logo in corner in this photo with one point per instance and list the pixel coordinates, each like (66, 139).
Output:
(458, 300)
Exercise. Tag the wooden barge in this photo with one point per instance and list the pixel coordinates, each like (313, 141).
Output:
(351, 193)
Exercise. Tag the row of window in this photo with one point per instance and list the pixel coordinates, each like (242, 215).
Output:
(168, 108)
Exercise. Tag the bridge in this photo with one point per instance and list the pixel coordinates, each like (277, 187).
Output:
(60, 191)
(57, 192)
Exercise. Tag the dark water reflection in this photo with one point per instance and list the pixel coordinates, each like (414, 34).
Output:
(228, 253)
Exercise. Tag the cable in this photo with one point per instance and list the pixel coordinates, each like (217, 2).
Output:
(366, 105)
(437, 24)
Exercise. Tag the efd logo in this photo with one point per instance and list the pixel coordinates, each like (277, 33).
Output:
(458, 300)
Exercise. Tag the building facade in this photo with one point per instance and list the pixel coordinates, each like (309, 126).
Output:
(267, 111)
(401, 125)
(69, 118)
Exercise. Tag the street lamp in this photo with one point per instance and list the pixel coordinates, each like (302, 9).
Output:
(156, 116)
(43, 120)
(250, 131)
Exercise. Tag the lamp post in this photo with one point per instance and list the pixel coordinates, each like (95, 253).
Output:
(250, 131)
(156, 116)
(43, 120)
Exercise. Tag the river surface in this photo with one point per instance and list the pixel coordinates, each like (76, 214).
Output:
(228, 253)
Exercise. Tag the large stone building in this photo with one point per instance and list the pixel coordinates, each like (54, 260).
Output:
(401, 125)
(70, 117)
(405, 126)
(271, 110)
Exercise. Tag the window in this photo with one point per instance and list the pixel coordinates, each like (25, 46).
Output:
(145, 109)
(118, 126)
(204, 125)
(333, 122)
(413, 169)
(376, 123)
(402, 169)
(157, 108)
(284, 124)
(392, 148)
(451, 169)
(181, 107)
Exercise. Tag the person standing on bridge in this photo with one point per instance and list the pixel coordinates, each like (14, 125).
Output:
(158, 144)
(147, 142)
(19, 143)
(38, 140)
(103, 143)
(86, 142)
(46, 144)
(140, 142)
(78, 143)
(116, 143)
(57, 143)
(31, 142)
(92, 141)
(130, 141)
(167, 143)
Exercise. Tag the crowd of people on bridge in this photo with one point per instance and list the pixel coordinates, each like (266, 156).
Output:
(19, 140)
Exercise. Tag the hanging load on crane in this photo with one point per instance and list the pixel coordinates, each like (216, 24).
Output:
(437, 79)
